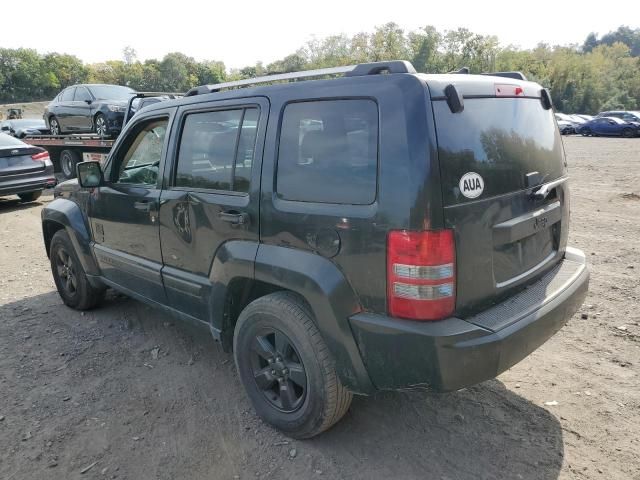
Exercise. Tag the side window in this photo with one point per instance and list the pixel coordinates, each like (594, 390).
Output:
(67, 95)
(140, 161)
(217, 149)
(329, 152)
(82, 95)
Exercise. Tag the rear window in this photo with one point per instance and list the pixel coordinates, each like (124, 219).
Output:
(328, 152)
(7, 141)
(502, 139)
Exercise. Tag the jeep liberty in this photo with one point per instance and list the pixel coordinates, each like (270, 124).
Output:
(368, 228)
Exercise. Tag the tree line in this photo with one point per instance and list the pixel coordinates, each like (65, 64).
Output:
(603, 73)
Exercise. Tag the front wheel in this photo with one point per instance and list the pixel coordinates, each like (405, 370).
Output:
(30, 196)
(71, 281)
(101, 126)
(286, 368)
(585, 132)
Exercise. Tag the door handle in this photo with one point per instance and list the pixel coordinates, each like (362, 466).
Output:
(234, 218)
(142, 206)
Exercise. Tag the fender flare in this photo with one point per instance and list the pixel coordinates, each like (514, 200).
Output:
(331, 298)
(63, 213)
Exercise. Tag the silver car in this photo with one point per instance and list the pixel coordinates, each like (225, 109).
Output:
(25, 170)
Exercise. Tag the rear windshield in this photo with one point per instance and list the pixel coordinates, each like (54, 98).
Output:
(502, 139)
(7, 141)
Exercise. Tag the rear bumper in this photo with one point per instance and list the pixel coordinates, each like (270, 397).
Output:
(24, 183)
(454, 353)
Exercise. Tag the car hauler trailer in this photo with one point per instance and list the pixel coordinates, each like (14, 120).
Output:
(66, 151)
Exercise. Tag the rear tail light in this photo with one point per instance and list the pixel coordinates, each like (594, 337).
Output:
(41, 156)
(421, 281)
(505, 90)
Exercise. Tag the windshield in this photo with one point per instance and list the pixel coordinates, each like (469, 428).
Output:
(111, 92)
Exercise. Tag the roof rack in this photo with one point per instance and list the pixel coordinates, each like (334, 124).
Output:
(375, 68)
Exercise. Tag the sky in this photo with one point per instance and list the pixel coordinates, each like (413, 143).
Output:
(241, 32)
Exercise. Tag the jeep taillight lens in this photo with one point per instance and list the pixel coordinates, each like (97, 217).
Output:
(421, 274)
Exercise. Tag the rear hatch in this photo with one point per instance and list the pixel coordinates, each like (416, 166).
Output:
(17, 159)
(494, 155)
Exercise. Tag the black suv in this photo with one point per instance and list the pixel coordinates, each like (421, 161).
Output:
(380, 230)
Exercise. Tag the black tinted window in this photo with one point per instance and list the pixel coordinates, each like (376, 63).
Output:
(329, 152)
(217, 150)
(82, 94)
(67, 95)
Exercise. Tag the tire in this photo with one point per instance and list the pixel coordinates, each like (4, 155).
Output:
(281, 328)
(54, 126)
(627, 133)
(68, 161)
(101, 127)
(585, 132)
(30, 196)
(71, 281)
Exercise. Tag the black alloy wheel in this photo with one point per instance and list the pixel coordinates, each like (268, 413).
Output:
(66, 270)
(278, 371)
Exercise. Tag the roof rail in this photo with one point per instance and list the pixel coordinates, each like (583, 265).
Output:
(514, 75)
(394, 66)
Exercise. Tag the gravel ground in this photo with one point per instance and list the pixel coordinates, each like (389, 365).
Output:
(126, 392)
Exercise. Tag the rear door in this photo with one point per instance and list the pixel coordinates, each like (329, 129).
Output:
(493, 155)
(211, 196)
(124, 212)
(81, 115)
(64, 109)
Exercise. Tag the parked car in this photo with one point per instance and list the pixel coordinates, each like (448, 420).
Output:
(585, 117)
(24, 170)
(90, 108)
(22, 127)
(570, 125)
(341, 235)
(627, 116)
(566, 128)
(609, 126)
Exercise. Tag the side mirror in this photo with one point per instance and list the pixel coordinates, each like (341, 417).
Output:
(89, 174)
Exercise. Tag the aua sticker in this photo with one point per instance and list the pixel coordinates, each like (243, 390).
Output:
(471, 185)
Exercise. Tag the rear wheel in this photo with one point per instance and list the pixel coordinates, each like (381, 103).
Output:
(54, 126)
(286, 368)
(68, 274)
(585, 132)
(68, 162)
(627, 133)
(30, 196)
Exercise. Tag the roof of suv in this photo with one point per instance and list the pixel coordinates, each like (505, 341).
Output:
(469, 85)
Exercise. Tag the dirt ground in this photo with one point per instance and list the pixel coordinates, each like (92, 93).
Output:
(126, 392)
(29, 110)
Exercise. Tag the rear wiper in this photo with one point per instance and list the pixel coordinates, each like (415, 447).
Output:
(545, 190)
